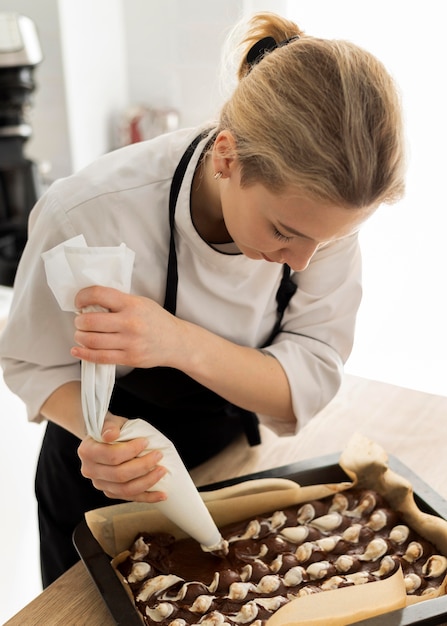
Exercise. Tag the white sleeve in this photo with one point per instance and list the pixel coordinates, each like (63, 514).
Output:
(35, 344)
(318, 330)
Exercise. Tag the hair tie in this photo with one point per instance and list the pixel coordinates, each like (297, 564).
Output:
(261, 47)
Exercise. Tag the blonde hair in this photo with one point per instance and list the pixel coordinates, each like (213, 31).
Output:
(321, 115)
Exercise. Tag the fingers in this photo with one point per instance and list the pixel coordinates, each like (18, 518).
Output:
(104, 357)
(106, 297)
(94, 453)
(99, 338)
(113, 334)
(96, 341)
(137, 489)
(134, 330)
(97, 321)
(118, 471)
(112, 427)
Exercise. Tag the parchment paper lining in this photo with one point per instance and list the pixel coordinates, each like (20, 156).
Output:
(366, 464)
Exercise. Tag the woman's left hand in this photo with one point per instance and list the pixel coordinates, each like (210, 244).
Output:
(132, 330)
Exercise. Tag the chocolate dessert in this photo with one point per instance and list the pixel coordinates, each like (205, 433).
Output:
(351, 538)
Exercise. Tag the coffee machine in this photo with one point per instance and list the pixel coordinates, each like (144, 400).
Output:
(20, 53)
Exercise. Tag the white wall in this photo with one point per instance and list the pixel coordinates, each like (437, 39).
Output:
(174, 53)
(94, 62)
(401, 332)
(81, 84)
(174, 50)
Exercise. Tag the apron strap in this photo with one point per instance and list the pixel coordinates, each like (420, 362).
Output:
(170, 303)
(285, 292)
(287, 289)
(147, 395)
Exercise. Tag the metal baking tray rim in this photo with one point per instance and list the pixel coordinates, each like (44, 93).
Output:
(311, 471)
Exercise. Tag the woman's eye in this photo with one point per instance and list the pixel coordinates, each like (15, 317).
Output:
(280, 236)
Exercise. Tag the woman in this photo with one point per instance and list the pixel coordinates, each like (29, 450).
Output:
(246, 281)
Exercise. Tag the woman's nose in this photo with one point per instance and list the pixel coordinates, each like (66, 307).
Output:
(299, 254)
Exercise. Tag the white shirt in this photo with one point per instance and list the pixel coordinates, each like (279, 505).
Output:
(123, 197)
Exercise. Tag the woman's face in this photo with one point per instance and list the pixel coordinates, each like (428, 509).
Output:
(282, 228)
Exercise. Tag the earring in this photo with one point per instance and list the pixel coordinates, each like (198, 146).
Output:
(217, 175)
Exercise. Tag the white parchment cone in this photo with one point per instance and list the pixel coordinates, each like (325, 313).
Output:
(71, 266)
(184, 505)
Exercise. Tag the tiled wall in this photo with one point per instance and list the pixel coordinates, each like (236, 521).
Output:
(174, 53)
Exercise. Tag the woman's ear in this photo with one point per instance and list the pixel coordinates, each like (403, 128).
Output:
(224, 153)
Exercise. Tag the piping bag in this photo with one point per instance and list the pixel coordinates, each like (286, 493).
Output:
(69, 267)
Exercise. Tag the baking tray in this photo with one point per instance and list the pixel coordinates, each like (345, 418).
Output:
(309, 472)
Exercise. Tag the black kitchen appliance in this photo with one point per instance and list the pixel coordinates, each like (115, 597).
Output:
(20, 53)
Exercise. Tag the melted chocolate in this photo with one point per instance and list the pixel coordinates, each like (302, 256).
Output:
(351, 538)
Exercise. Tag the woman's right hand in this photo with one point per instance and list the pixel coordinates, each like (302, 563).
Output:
(117, 469)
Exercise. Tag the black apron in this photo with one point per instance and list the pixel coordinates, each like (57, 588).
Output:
(185, 411)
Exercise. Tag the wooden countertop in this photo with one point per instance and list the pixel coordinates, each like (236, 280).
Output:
(408, 424)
